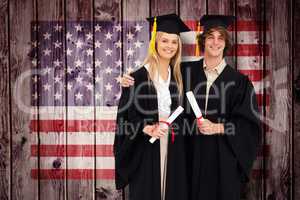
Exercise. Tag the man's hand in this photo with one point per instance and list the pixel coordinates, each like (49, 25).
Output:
(127, 80)
(207, 127)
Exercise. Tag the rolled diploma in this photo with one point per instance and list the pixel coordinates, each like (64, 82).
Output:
(191, 97)
(171, 118)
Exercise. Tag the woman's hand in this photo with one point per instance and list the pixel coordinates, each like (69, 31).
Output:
(157, 130)
(207, 127)
(127, 80)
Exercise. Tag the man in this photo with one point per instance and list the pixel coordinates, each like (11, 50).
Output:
(222, 148)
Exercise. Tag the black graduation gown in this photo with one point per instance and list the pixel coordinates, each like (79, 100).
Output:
(137, 161)
(220, 163)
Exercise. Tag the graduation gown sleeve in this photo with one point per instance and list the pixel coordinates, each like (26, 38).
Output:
(242, 128)
(129, 138)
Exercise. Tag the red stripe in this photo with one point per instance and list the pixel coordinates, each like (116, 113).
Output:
(260, 99)
(48, 174)
(254, 74)
(72, 150)
(242, 25)
(72, 126)
(242, 50)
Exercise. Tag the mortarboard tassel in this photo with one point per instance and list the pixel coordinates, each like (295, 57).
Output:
(197, 50)
(153, 37)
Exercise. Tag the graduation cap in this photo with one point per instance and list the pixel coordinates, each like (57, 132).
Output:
(211, 21)
(170, 23)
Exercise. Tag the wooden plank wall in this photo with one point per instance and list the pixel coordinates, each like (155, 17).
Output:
(277, 169)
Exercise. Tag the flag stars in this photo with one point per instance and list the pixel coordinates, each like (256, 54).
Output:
(47, 87)
(138, 44)
(129, 52)
(89, 86)
(108, 70)
(69, 36)
(130, 36)
(57, 79)
(89, 36)
(69, 70)
(98, 96)
(69, 86)
(79, 44)
(108, 52)
(57, 63)
(89, 70)
(47, 52)
(79, 79)
(137, 63)
(46, 70)
(57, 96)
(78, 27)
(118, 28)
(69, 52)
(47, 36)
(118, 44)
(78, 63)
(98, 28)
(138, 28)
(78, 96)
(97, 44)
(98, 63)
(89, 52)
(118, 63)
(108, 36)
(98, 79)
(58, 27)
(118, 79)
(57, 44)
(35, 96)
(129, 70)
(108, 87)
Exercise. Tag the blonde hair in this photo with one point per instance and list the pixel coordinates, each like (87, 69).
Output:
(153, 60)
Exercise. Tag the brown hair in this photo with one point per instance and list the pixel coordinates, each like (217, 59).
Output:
(224, 33)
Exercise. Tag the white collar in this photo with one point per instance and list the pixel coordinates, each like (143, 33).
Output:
(218, 69)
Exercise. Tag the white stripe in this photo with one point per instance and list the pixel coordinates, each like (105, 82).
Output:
(75, 162)
(81, 138)
(74, 112)
(259, 86)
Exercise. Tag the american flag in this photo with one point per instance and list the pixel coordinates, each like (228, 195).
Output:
(75, 89)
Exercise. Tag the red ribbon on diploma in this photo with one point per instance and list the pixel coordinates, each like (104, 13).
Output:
(199, 119)
(172, 131)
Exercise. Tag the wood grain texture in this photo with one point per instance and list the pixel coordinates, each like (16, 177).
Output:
(296, 99)
(5, 100)
(278, 115)
(163, 7)
(22, 13)
(192, 10)
(80, 12)
(51, 13)
(251, 11)
(110, 12)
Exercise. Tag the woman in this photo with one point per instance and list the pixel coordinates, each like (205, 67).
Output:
(153, 171)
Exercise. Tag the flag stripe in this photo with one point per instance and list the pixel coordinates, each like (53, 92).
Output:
(57, 162)
(72, 150)
(107, 174)
(51, 138)
(73, 174)
(72, 125)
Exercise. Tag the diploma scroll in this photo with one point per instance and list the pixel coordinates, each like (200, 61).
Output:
(191, 97)
(171, 118)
